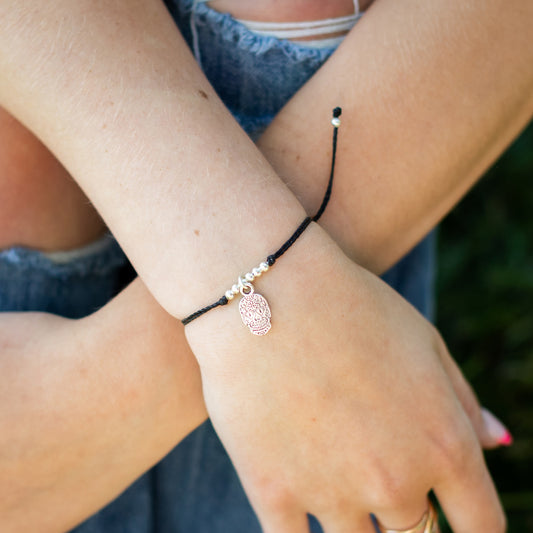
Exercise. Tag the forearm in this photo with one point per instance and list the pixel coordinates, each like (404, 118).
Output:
(430, 96)
(117, 96)
(87, 406)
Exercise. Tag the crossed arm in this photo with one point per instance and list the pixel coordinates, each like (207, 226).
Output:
(415, 187)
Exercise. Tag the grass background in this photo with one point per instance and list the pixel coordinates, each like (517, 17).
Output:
(485, 311)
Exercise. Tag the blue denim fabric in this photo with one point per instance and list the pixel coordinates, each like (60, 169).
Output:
(195, 488)
(31, 281)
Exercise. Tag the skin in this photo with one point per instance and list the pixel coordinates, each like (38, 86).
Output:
(99, 426)
(279, 11)
(426, 89)
(288, 507)
(41, 205)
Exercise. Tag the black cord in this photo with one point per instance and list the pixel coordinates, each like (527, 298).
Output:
(336, 114)
(200, 312)
(271, 259)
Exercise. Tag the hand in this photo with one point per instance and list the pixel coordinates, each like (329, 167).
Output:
(86, 407)
(345, 407)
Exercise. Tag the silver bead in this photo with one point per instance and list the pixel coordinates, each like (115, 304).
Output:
(235, 289)
(249, 277)
(336, 121)
(256, 272)
(264, 267)
(229, 295)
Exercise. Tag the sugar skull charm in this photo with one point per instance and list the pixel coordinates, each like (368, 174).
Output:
(254, 309)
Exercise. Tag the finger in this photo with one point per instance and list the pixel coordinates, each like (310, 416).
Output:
(490, 431)
(469, 499)
(496, 429)
(353, 524)
(287, 520)
(402, 517)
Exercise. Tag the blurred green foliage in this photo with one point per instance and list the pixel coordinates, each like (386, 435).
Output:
(485, 311)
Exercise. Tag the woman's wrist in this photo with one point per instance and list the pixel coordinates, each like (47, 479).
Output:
(293, 286)
(162, 378)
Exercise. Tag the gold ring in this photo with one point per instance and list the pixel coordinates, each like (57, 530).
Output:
(429, 523)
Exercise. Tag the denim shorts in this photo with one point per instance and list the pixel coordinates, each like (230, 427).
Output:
(194, 489)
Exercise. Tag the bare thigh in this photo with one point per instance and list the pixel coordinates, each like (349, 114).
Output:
(41, 206)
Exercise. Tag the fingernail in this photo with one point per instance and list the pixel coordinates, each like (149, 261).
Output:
(496, 429)
(506, 440)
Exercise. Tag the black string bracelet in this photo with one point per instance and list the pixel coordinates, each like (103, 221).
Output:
(254, 309)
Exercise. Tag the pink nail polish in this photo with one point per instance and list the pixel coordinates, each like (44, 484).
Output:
(506, 440)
